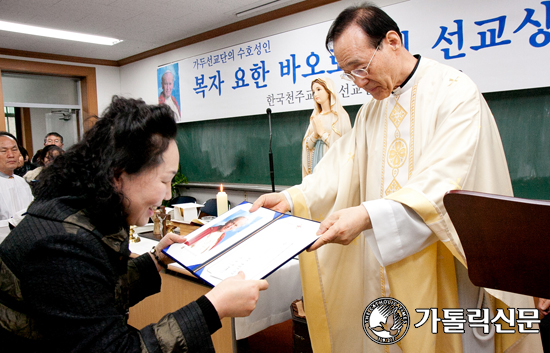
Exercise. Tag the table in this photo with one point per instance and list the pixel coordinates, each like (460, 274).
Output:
(273, 305)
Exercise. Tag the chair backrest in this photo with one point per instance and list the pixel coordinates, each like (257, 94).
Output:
(211, 208)
(182, 199)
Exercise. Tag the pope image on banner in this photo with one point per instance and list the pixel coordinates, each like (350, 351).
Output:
(168, 86)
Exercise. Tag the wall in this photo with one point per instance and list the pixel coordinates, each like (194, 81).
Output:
(202, 143)
(525, 112)
(108, 84)
(139, 79)
(38, 128)
(220, 158)
(107, 79)
(36, 89)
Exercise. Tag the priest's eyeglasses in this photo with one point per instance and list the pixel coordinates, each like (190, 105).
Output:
(361, 73)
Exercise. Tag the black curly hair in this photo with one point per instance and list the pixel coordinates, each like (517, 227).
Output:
(48, 150)
(130, 137)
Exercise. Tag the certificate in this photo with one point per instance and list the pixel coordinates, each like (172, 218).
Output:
(256, 243)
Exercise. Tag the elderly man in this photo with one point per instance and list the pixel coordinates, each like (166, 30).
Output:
(15, 193)
(167, 82)
(379, 191)
(53, 138)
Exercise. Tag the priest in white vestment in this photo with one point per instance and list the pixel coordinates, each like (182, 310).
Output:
(379, 191)
(15, 193)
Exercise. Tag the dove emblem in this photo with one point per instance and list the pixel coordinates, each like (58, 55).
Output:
(386, 320)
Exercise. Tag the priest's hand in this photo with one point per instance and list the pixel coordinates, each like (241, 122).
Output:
(235, 296)
(342, 227)
(275, 201)
(543, 307)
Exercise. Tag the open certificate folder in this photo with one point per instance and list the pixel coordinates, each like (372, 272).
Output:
(256, 243)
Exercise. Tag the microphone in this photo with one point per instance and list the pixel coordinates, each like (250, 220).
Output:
(271, 172)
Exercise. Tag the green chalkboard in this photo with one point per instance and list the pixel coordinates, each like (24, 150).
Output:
(236, 150)
(523, 119)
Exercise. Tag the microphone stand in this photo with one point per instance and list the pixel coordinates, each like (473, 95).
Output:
(271, 172)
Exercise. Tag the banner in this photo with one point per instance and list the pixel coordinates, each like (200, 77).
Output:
(501, 44)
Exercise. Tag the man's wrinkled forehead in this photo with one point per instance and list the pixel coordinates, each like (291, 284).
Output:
(7, 141)
(348, 48)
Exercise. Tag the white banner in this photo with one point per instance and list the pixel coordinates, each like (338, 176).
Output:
(501, 44)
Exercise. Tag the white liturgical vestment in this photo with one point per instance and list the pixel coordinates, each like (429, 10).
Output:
(15, 197)
(170, 103)
(434, 134)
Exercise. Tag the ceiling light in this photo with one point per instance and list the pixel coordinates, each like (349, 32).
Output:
(55, 33)
(259, 8)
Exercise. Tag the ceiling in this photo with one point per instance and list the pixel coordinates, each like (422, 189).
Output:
(143, 25)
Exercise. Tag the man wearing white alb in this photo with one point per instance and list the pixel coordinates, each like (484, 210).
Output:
(379, 191)
(15, 193)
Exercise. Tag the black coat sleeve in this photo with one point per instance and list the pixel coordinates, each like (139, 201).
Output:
(79, 300)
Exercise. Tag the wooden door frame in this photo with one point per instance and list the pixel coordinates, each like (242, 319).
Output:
(86, 74)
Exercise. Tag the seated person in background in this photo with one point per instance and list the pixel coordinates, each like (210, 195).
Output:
(24, 164)
(36, 158)
(15, 193)
(70, 255)
(46, 158)
(49, 153)
(53, 138)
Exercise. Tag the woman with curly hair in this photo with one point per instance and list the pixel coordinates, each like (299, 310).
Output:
(47, 155)
(66, 277)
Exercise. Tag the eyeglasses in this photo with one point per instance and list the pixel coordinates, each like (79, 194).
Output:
(361, 73)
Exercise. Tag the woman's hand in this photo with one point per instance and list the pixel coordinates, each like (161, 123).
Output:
(235, 296)
(166, 241)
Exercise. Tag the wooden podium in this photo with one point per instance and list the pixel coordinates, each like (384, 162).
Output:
(505, 239)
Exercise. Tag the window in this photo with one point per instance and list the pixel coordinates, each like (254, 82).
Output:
(9, 112)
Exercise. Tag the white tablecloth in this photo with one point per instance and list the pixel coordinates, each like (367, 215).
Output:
(273, 306)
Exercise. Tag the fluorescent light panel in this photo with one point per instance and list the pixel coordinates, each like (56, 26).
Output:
(55, 33)
(259, 8)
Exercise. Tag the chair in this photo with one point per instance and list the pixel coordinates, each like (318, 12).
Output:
(211, 208)
(182, 199)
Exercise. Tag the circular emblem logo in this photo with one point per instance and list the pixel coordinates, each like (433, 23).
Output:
(386, 320)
